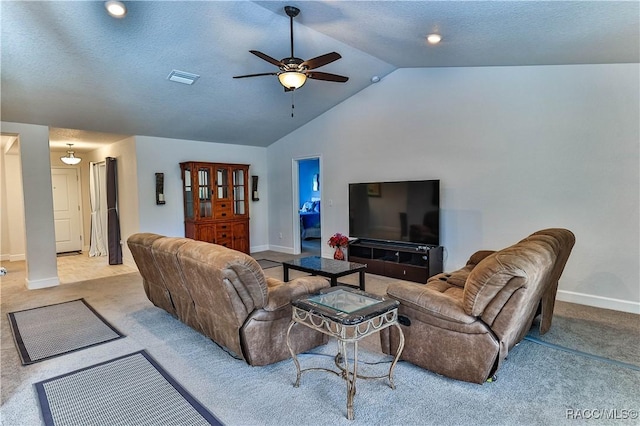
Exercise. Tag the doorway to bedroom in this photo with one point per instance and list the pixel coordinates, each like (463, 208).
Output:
(309, 206)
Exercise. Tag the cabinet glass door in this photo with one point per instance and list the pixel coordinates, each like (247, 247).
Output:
(204, 191)
(188, 193)
(239, 185)
(222, 183)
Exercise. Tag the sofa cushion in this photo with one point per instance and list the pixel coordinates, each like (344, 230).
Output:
(248, 279)
(444, 302)
(518, 265)
(164, 252)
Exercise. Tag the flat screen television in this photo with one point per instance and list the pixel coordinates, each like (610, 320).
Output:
(407, 211)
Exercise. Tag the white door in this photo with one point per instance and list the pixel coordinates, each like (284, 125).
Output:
(66, 209)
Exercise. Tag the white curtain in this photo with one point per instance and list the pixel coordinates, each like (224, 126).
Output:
(97, 184)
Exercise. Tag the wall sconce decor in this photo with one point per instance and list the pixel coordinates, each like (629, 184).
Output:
(316, 182)
(160, 188)
(254, 188)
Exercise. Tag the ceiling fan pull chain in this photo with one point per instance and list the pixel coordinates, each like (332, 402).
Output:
(292, 105)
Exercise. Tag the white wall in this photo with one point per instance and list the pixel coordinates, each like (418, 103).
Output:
(517, 149)
(12, 204)
(5, 242)
(40, 245)
(162, 155)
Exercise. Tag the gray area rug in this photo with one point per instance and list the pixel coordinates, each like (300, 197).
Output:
(619, 342)
(266, 263)
(535, 386)
(53, 330)
(129, 390)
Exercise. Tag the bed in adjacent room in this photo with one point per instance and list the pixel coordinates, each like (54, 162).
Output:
(310, 220)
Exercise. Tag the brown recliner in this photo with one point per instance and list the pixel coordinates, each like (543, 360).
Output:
(225, 295)
(463, 324)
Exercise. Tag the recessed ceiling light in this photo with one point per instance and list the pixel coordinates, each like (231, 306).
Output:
(117, 9)
(434, 38)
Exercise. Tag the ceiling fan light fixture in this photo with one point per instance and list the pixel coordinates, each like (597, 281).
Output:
(292, 79)
(70, 159)
(115, 8)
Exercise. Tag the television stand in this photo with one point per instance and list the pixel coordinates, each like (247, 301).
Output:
(405, 261)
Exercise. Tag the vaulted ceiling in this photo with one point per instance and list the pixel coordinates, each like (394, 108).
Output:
(69, 65)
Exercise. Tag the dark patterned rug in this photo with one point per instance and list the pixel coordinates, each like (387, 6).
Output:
(54, 330)
(130, 390)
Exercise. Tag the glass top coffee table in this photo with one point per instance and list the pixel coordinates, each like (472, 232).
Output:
(348, 315)
(330, 268)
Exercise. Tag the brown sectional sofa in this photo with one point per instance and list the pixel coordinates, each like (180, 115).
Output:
(463, 324)
(225, 295)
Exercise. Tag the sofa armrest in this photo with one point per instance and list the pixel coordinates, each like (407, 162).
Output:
(280, 294)
(459, 278)
(430, 301)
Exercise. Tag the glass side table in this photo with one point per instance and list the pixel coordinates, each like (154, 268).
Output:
(348, 315)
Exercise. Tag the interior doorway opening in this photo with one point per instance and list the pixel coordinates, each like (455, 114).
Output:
(308, 205)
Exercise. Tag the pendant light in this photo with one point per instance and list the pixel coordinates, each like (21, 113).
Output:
(70, 159)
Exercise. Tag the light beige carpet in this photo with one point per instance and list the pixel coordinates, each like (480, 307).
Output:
(537, 385)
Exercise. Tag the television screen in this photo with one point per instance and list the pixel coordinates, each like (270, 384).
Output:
(406, 211)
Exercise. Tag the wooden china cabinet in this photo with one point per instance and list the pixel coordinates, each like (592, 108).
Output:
(216, 203)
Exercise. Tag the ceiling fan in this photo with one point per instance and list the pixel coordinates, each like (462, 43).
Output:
(295, 71)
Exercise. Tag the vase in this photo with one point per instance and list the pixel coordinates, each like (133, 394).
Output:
(338, 254)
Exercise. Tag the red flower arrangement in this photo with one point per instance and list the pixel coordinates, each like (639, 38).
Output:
(338, 240)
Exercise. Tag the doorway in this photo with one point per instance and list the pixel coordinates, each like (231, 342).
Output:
(309, 206)
(66, 209)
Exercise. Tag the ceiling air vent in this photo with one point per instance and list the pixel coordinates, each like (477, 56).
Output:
(183, 77)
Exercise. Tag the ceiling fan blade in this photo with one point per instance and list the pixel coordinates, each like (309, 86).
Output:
(327, 77)
(322, 60)
(255, 75)
(267, 58)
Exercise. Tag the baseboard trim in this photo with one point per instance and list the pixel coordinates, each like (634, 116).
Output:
(598, 301)
(259, 248)
(42, 283)
(4, 257)
(16, 257)
(281, 249)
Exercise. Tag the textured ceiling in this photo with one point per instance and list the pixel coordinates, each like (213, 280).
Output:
(69, 65)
